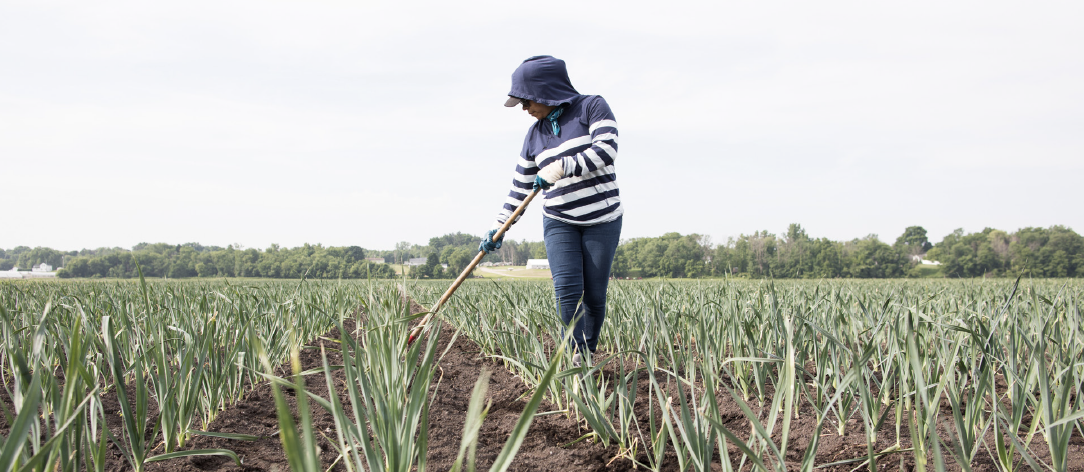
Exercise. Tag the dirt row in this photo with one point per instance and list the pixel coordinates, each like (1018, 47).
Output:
(457, 373)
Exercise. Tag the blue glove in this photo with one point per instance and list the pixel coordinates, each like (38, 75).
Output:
(488, 244)
(540, 183)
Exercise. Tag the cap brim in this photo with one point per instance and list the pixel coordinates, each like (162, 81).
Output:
(511, 102)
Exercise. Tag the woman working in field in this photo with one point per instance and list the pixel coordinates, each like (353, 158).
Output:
(569, 154)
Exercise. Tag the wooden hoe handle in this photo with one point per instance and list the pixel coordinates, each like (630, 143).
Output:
(417, 331)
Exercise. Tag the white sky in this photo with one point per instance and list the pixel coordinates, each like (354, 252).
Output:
(368, 123)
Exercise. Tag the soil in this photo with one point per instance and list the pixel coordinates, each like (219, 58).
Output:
(458, 371)
(546, 446)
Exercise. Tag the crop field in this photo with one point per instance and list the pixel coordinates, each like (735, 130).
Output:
(517, 272)
(690, 375)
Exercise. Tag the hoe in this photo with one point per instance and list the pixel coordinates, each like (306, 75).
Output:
(417, 331)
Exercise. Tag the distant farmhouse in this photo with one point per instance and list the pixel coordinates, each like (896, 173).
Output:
(40, 271)
(538, 264)
(920, 258)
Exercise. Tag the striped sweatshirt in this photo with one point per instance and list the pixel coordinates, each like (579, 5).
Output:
(586, 146)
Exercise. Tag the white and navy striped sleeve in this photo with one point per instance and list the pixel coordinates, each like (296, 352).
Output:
(522, 185)
(603, 150)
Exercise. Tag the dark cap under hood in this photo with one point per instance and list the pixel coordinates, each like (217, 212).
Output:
(542, 79)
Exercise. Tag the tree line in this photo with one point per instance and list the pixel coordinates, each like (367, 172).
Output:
(1037, 252)
(454, 250)
(195, 260)
(1056, 251)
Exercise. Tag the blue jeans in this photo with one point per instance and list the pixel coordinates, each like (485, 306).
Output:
(580, 259)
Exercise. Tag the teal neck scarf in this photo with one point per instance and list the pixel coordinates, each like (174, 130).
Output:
(552, 117)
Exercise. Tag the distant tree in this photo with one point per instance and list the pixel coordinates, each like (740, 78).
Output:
(621, 265)
(648, 253)
(420, 272)
(508, 250)
(793, 256)
(538, 251)
(456, 258)
(353, 254)
(914, 241)
(79, 267)
(870, 258)
(684, 257)
(762, 245)
(453, 239)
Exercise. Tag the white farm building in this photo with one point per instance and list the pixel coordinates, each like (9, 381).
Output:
(921, 259)
(538, 264)
(40, 271)
(11, 274)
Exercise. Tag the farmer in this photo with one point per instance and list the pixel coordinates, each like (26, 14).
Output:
(569, 154)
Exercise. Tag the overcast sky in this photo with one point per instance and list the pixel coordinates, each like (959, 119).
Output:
(369, 123)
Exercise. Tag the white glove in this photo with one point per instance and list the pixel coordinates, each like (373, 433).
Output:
(553, 172)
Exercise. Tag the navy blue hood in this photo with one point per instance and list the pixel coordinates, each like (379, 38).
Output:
(543, 79)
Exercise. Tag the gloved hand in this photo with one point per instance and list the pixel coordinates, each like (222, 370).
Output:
(488, 244)
(549, 175)
(540, 183)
